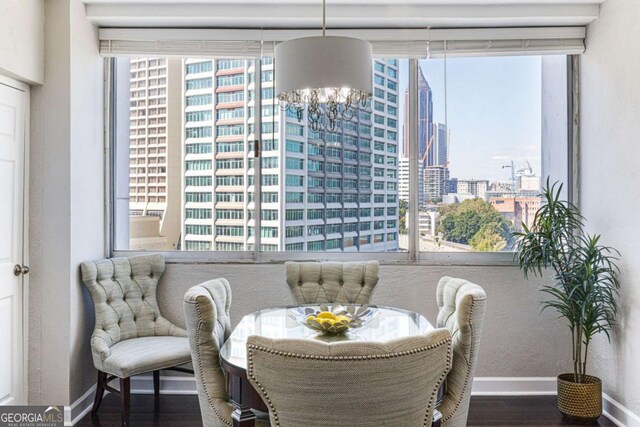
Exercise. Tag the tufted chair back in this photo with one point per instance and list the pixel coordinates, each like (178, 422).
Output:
(332, 282)
(124, 297)
(357, 384)
(462, 307)
(206, 310)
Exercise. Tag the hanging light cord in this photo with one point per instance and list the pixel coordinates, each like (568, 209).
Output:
(324, 17)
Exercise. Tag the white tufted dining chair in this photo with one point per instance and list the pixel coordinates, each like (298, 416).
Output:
(130, 336)
(206, 312)
(332, 282)
(350, 383)
(462, 307)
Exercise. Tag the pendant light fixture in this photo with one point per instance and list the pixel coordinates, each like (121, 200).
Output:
(328, 76)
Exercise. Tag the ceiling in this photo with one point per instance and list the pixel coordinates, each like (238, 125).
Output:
(278, 14)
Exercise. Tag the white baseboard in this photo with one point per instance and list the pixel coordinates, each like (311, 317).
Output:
(79, 408)
(513, 386)
(619, 414)
(482, 386)
(168, 385)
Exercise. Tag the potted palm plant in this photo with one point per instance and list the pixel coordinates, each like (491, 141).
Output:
(584, 291)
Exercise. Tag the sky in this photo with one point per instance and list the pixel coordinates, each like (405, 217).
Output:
(492, 111)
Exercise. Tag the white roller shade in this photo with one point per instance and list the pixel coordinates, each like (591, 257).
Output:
(385, 43)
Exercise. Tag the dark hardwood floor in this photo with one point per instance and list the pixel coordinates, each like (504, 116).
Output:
(183, 411)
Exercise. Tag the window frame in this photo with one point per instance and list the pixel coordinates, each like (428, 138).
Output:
(412, 256)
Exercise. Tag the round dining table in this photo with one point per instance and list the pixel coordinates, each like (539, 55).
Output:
(389, 323)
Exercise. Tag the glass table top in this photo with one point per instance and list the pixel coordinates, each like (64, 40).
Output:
(388, 324)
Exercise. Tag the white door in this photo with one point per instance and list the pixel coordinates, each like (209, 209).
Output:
(13, 113)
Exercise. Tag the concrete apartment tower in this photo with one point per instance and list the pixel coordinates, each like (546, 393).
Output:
(335, 191)
(403, 181)
(155, 154)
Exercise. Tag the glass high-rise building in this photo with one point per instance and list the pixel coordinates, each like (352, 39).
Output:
(425, 121)
(440, 145)
(320, 190)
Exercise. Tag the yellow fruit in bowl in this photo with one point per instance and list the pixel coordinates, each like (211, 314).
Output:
(327, 323)
(343, 318)
(326, 315)
(310, 318)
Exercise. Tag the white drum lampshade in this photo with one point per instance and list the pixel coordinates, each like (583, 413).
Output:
(327, 70)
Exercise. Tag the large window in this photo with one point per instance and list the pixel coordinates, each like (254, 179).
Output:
(446, 157)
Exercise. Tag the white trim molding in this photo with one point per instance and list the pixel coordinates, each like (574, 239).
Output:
(171, 384)
(81, 407)
(514, 386)
(618, 413)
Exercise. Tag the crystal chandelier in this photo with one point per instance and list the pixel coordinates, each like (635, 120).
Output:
(329, 76)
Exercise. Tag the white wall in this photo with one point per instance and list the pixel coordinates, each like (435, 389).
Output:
(22, 40)
(49, 227)
(554, 119)
(87, 187)
(66, 204)
(610, 179)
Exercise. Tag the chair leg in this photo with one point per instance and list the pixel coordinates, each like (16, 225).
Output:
(102, 377)
(125, 399)
(156, 383)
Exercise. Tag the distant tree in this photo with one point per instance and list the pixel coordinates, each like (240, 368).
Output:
(402, 212)
(462, 222)
(488, 239)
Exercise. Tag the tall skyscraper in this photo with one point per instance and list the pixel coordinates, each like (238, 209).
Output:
(439, 150)
(155, 154)
(320, 190)
(425, 120)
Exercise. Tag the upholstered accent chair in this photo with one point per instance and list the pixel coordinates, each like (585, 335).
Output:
(130, 336)
(206, 309)
(357, 384)
(332, 282)
(462, 307)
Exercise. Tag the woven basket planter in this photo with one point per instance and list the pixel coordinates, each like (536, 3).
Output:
(580, 402)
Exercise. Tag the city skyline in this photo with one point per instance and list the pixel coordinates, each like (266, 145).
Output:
(192, 169)
(507, 88)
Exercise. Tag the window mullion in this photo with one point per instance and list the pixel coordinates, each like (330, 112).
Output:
(413, 158)
(257, 154)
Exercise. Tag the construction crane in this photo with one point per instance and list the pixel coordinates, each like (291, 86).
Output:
(430, 143)
(512, 166)
(426, 152)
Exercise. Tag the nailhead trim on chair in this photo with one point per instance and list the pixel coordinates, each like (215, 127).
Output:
(434, 393)
(466, 380)
(204, 383)
(251, 374)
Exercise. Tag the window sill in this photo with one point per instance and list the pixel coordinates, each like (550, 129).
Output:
(490, 259)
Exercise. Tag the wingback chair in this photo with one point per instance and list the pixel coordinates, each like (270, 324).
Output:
(357, 384)
(332, 282)
(130, 336)
(206, 310)
(462, 307)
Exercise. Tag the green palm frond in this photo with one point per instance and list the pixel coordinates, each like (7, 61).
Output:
(586, 272)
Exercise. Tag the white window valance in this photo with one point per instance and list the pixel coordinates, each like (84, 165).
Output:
(410, 43)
